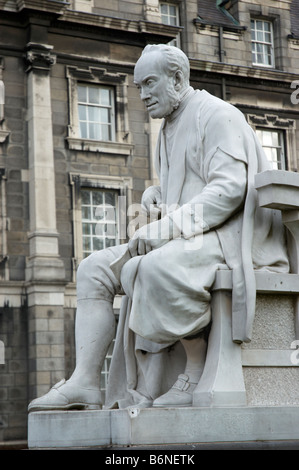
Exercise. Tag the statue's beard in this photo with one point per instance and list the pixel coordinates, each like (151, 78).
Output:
(174, 98)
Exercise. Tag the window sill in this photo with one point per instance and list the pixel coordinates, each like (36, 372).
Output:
(85, 145)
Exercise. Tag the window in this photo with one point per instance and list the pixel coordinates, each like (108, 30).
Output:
(96, 112)
(262, 43)
(273, 144)
(99, 219)
(278, 138)
(99, 213)
(170, 15)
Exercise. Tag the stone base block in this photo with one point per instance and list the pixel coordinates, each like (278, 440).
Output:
(165, 426)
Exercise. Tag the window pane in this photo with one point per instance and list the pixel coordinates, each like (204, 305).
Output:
(267, 26)
(259, 48)
(260, 59)
(104, 115)
(98, 243)
(97, 198)
(93, 113)
(100, 229)
(87, 243)
(86, 229)
(163, 7)
(260, 36)
(94, 95)
(172, 10)
(259, 25)
(109, 242)
(94, 131)
(86, 213)
(110, 198)
(111, 230)
(106, 133)
(82, 93)
(268, 37)
(85, 197)
(82, 112)
(94, 228)
(83, 130)
(105, 97)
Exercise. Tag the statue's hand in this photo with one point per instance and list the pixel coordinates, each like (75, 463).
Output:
(151, 200)
(152, 236)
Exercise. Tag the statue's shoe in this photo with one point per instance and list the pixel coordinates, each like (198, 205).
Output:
(64, 396)
(180, 394)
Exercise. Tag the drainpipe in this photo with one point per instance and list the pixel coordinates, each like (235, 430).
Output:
(221, 59)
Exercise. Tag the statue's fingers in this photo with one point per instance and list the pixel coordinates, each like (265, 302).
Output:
(141, 247)
(133, 247)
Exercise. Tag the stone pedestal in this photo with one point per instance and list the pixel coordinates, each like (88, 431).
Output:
(84, 429)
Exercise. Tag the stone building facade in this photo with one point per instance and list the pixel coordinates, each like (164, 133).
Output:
(75, 137)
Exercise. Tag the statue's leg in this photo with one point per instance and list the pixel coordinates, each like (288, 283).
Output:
(196, 349)
(181, 393)
(95, 329)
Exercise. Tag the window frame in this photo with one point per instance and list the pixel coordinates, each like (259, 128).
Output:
(177, 41)
(124, 186)
(94, 76)
(88, 222)
(282, 162)
(98, 106)
(263, 43)
(275, 122)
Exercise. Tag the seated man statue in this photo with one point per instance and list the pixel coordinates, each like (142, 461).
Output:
(207, 156)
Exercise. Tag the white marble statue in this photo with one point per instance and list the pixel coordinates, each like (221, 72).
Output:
(207, 156)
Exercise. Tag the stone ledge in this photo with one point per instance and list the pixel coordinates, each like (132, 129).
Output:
(266, 282)
(165, 426)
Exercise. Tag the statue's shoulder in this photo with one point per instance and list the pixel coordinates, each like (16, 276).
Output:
(215, 111)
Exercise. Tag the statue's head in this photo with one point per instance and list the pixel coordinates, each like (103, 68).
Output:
(162, 75)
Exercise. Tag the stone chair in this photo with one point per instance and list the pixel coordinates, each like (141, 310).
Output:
(264, 371)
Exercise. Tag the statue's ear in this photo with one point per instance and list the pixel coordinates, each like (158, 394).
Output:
(178, 80)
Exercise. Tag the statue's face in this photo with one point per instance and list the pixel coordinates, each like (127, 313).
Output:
(156, 88)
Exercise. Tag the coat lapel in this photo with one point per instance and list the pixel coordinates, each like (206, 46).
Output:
(172, 176)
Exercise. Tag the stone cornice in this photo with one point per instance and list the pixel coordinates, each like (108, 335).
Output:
(53, 6)
(240, 71)
(111, 23)
(63, 16)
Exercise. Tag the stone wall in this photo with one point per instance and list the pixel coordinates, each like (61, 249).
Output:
(271, 348)
(14, 374)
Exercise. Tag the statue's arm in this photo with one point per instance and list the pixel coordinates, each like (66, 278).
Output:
(223, 196)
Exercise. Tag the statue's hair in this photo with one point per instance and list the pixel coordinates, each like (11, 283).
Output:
(175, 59)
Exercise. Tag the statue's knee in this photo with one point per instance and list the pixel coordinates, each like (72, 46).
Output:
(82, 271)
(147, 269)
(89, 266)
